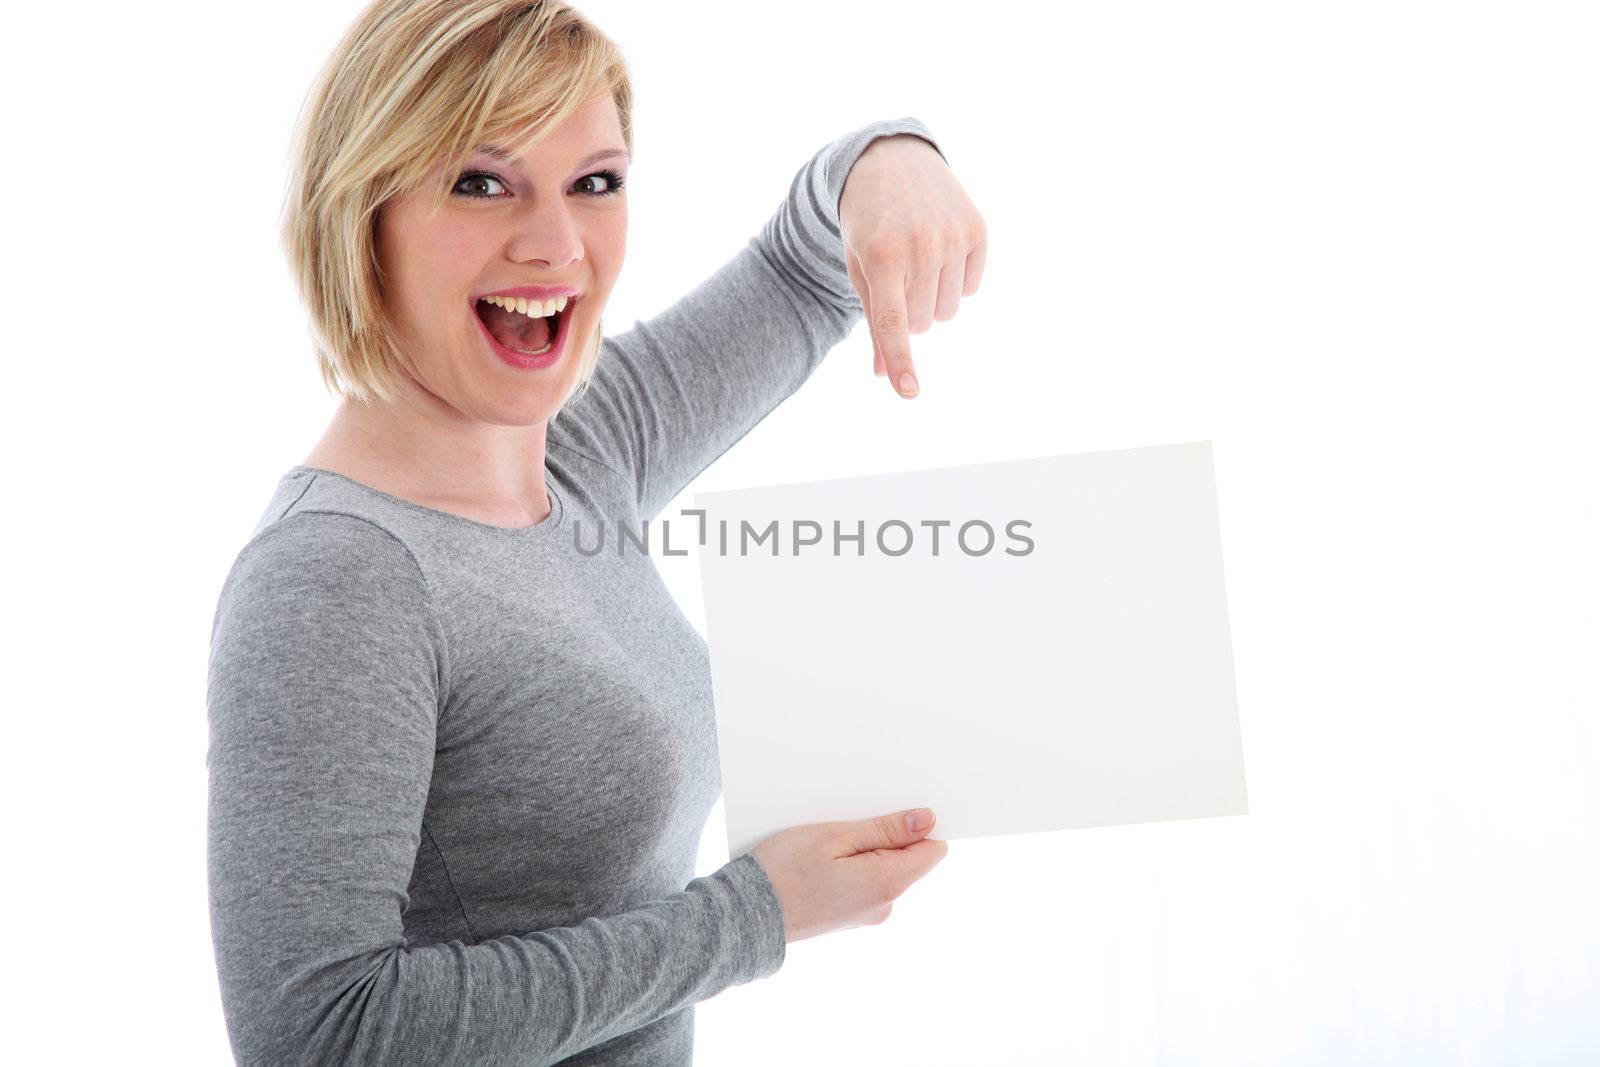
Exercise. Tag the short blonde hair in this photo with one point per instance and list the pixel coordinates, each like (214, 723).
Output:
(414, 83)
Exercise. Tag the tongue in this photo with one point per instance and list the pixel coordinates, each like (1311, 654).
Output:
(514, 329)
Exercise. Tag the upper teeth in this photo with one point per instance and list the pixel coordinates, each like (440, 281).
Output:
(537, 309)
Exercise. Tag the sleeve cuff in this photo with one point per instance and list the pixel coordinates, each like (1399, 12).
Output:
(844, 152)
(761, 913)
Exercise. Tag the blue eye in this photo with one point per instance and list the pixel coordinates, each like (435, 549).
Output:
(614, 182)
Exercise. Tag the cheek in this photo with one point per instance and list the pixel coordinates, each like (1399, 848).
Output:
(611, 246)
(455, 252)
(441, 265)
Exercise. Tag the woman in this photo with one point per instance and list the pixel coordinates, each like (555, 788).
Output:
(459, 770)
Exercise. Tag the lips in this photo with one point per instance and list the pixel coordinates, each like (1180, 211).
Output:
(532, 292)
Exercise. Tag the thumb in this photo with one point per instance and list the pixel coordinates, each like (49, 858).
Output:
(894, 831)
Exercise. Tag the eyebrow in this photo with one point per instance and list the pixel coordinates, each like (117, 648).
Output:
(592, 158)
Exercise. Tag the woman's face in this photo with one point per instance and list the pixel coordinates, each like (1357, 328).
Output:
(552, 219)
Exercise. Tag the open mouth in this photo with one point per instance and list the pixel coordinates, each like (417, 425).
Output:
(524, 327)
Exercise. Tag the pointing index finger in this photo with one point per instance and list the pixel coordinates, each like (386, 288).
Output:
(887, 319)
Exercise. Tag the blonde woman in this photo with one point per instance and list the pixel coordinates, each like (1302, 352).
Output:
(459, 770)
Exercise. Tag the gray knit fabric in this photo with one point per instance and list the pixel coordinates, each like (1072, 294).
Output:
(459, 772)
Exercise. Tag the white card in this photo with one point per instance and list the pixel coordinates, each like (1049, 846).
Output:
(1071, 667)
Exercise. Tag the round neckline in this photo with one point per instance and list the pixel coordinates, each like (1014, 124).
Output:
(558, 508)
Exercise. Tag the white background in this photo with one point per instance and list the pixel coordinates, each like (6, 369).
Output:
(1353, 244)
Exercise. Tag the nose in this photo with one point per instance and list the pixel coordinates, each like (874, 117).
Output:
(546, 235)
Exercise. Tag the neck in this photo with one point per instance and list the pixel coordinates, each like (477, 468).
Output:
(435, 456)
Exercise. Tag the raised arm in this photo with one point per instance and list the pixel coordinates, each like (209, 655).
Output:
(326, 673)
(675, 392)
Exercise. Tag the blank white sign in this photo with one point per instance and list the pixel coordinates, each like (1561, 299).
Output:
(1031, 645)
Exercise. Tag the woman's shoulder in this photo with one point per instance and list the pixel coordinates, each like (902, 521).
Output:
(321, 593)
(307, 491)
(316, 556)
(319, 541)
(319, 536)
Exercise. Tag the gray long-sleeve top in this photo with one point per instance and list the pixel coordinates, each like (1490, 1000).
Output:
(458, 772)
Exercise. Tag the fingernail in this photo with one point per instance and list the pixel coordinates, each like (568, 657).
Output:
(908, 384)
(919, 820)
